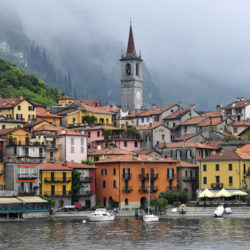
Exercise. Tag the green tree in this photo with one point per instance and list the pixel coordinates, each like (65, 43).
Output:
(76, 185)
(88, 162)
(132, 133)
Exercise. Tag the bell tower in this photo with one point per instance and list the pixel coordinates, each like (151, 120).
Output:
(131, 77)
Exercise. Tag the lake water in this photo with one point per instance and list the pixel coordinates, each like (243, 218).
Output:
(127, 233)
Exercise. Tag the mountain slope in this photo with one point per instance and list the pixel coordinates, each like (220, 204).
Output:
(14, 81)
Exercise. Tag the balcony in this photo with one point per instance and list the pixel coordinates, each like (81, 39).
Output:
(53, 149)
(57, 180)
(127, 189)
(26, 193)
(154, 189)
(27, 176)
(86, 179)
(153, 177)
(171, 177)
(127, 176)
(217, 185)
(189, 178)
(86, 193)
(58, 193)
(143, 177)
(143, 190)
(146, 176)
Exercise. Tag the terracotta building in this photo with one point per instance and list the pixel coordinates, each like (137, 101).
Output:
(123, 181)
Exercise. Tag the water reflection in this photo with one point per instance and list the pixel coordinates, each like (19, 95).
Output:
(127, 233)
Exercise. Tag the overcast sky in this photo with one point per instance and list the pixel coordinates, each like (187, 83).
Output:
(204, 44)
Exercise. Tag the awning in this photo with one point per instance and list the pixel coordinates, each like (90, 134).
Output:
(223, 193)
(240, 193)
(206, 194)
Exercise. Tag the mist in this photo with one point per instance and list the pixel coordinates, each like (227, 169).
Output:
(196, 51)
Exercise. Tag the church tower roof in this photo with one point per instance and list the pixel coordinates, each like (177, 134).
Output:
(131, 44)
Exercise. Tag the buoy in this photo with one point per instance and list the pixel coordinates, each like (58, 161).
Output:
(84, 221)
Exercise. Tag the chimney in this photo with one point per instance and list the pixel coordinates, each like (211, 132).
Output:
(21, 96)
(218, 108)
(154, 106)
(179, 105)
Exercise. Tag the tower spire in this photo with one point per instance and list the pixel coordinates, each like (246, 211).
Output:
(131, 44)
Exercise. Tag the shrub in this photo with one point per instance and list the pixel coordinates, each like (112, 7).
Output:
(174, 196)
(97, 206)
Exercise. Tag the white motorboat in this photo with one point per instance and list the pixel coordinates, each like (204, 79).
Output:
(101, 214)
(219, 211)
(149, 217)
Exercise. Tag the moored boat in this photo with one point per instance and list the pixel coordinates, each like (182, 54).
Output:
(101, 214)
(219, 211)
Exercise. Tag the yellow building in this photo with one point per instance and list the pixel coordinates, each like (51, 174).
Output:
(56, 182)
(10, 123)
(245, 134)
(18, 108)
(18, 136)
(2, 183)
(65, 100)
(236, 128)
(229, 170)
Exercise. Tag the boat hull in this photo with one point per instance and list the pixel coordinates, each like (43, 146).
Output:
(219, 211)
(101, 218)
(150, 218)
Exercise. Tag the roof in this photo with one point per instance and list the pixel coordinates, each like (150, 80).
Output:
(2, 140)
(226, 133)
(32, 199)
(70, 132)
(12, 102)
(93, 103)
(41, 112)
(214, 144)
(188, 144)
(75, 165)
(10, 130)
(65, 98)
(94, 109)
(103, 127)
(108, 151)
(244, 131)
(213, 121)
(147, 127)
(245, 148)
(237, 104)
(133, 158)
(57, 166)
(184, 137)
(194, 120)
(9, 200)
(211, 114)
(32, 124)
(110, 108)
(131, 44)
(225, 155)
(176, 115)
(241, 123)
(186, 164)
(46, 127)
(156, 111)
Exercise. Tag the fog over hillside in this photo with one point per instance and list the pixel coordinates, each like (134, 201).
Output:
(195, 51)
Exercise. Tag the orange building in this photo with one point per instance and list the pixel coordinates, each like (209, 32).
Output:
(123, 181)
(43, 114)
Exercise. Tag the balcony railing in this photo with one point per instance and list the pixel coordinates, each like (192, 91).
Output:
(127, 176)
(86, 179)
(217, 185)
(171, 177)
(190, 178)
(127, 189)
(143, 176)
(86, 193)
(27, 176)
(146, 176)
(54, 180)
(154, 189)
(51, 149)
(58, 193)
(26, 193)
(143, 190)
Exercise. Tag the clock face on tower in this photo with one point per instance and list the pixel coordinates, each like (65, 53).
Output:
(138, 95)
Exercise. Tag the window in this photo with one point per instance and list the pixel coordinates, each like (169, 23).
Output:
(82, 150)
(104, 201)
(217, 167)
(72, 149)
(125, 144)
(98, 133)
(217, 178)
(19, 107)
(230, 167)
(104, 172)
(52, 190)
(114, 171)
(204, 180)
(96, 158)
(173, 124)
(128, 69)
(3, 126)
(186, 173)
(72, 140)
(114, 184)
(54, 121)
(162, 137)
(147, 119)
(64, 189)
(235, 130)
(126, 202)
(156, 119)
(51, 155)
(136, 144)
(104, 184)
(31, 108)
(142, 120)
(230, 180)
(52, 176)
(82, 141)
(64, 177)
(88, 134)
(137, 69)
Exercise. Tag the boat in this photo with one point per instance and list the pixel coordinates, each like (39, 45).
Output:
(149, 217)
(219, 211)
(182, 209)
(101, 214)
(228, 210)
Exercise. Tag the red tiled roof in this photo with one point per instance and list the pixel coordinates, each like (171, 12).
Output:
(140, 158)
(176, 115)
(184, 137)
(103, 127)
(57, 166)
(238, 104)
(146, 127)
(187, 144)
(70, 132)
(225, 155)
(193, 121)
(65, 98)
(156, 111)
(186, 164)
(241, 123)
(46, 127)
(2, 140)
(10, 130)
(245, 148)
(214, 144)
(110, 108)
(12, 102)
(76, 165)
(91, 103)
(94, 109)
(41, 112)
(132, 113)
(226, 133)
(108, 151)
(211, 114)
(212, 122)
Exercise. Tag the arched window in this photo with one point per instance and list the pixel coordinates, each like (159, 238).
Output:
(128, 69)
(137, 69)
(101, 120)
